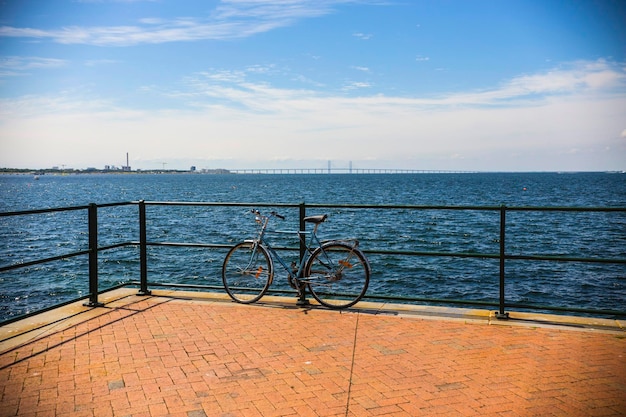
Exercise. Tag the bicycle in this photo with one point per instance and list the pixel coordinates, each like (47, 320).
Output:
(336, 272)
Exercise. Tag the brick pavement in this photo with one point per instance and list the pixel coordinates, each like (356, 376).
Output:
(163, 356)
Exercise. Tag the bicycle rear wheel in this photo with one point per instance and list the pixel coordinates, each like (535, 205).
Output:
(247, 272)
(337, 275)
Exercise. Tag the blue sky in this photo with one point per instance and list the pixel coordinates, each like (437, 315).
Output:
(502, 85)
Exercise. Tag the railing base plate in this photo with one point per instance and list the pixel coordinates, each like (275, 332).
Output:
(90, 304)
(303, 303)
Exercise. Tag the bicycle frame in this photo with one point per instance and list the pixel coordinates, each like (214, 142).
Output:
(312, 243)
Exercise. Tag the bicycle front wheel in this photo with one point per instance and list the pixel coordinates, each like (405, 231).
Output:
(337, 275)
(247, 272)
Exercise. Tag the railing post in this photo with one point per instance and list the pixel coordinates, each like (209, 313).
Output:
(143, 250)
(93, 256)
(302, 301)
(302, 229)
(501, 314)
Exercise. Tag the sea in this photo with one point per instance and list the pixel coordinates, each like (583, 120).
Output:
(442, 228)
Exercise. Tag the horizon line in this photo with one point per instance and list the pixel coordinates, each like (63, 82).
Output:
(286, 171)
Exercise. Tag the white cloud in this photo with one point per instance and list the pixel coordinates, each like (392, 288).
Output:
(19, 65)
(234, 118)
(230, 19)
(98, 62)
(152, 21)
(576, 78)
(354, 85)
(362, 36)
(274, 9)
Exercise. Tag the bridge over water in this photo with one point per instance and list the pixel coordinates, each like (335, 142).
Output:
(343, 171)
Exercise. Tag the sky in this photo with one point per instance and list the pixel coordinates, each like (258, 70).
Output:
(462, 85)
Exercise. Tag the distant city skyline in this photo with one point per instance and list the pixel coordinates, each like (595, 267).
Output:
(521, 85)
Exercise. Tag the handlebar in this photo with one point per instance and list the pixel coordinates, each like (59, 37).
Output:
(272, 213)
(277, 215)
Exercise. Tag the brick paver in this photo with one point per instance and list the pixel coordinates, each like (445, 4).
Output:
(159, 356)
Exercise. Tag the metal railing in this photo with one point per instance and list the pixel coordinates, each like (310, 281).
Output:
(502, 256)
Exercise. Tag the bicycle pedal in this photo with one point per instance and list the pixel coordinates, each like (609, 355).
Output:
(292, 284)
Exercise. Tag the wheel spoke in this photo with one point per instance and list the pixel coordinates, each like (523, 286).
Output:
(247, 272)
(337, 275)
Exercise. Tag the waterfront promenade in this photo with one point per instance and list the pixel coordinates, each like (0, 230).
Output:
(192, 355)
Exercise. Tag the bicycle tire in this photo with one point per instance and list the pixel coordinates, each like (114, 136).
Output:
(337, 275)
(247, 275)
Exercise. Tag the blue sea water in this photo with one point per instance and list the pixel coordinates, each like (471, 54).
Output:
(573, 234)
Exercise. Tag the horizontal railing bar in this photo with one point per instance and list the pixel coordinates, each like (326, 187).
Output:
(496, 256)
(60, 209)
(42, 211)
(414, 253)
(557, 258)
(376, 252)
(210, 245)
(217, 204)
(347, 206)
(477, 208)
(58, 305)
(285, 248)
(41, 261)
(578, 209)
(117, 245)
(390, 206)
(118, 204)
(191, 245)
(433, 254)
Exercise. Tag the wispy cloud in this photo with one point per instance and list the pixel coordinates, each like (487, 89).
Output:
(274, 9)
(244, 89)
(362, 36)
(230, 19)
(596, 77)
(69, 102)
(355, 85)
(585, 77)
(18, 65)
(98, 62)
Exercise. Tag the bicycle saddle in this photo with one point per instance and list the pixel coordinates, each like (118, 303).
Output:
(316, 219)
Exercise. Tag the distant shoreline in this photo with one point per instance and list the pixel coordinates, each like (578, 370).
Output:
(25, 171)
(270, 171)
